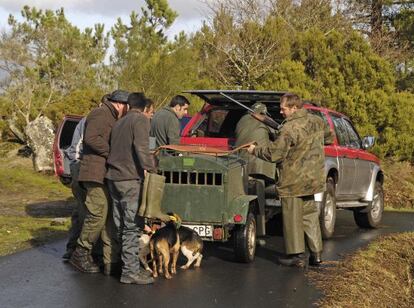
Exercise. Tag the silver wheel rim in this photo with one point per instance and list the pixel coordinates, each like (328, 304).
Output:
(328, 212)
(251, 239)
(376, 206)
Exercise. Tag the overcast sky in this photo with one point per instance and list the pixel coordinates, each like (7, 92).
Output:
(85, 13)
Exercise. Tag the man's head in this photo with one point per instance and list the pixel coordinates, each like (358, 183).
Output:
(149, 108)
(180, 105)
(259, 108)
(119, 100)
(289, 104)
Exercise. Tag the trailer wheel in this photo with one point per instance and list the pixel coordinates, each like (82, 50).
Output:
(245, 240)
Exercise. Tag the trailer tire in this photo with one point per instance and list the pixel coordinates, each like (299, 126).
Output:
(245, 240)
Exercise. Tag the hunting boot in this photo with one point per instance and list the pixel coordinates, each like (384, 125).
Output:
(153, 197)
(315, 258)
(82, 261)
(138, 278)
(296, 260)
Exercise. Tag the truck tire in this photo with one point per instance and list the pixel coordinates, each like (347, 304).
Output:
(245, 240)
(371, 216)
(327, 216)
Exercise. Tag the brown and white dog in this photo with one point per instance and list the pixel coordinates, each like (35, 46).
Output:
(165, 245)
(191, 246)
(144, 249)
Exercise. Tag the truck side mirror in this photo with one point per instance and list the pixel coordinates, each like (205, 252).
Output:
(368, 142)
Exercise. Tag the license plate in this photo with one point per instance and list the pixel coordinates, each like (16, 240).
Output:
(202, 230)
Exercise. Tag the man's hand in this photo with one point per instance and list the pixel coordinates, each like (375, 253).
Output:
(251, 148)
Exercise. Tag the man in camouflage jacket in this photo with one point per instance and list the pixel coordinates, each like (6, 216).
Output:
(299, 154)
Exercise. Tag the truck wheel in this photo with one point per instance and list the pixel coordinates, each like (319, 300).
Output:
(327, 216)
(245, 240)
(372, 217)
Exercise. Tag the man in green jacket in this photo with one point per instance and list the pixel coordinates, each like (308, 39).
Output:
(165, 125)
(250, 129)
(299, 154)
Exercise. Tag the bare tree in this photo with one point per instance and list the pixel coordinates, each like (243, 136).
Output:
(240, 44)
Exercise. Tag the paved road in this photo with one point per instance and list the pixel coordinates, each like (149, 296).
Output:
(38, 277)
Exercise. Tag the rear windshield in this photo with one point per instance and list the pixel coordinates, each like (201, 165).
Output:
(67, 132)
(222, 123)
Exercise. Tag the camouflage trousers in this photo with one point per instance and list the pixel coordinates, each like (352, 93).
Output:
(125, 198)
(98, 223)
(301, 224)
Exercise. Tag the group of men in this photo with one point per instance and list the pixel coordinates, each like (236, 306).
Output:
(109, 158)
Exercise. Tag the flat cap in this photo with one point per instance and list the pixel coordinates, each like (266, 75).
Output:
(259, 108)
(119, 96)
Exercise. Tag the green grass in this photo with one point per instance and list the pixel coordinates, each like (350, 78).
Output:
(21, 179)
(18, 233)
(30, 202)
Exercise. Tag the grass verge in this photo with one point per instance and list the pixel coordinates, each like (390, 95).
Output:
(18, 233)
(30, 205)
(379, 276)
(398, 184)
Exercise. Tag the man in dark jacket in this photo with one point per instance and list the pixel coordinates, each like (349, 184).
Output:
(98, 127)
(165, 125)
(299, 154)
(128, 162)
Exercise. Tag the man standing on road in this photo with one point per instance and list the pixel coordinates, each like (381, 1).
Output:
(299, 154)
(250, 129)
(165, 125)
(98, 127)
(128, 162)
(74, 153)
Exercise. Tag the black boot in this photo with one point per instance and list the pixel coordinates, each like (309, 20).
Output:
(315, 258)
(67, 255)
(138, 278)
(82, 261)
(297, 260)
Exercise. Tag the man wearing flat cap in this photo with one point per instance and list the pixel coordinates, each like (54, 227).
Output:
(98, 126)
(249, 129)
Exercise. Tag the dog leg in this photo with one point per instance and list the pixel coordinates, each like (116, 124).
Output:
(166, 263)
(143, 260)
(154, 263)
(174, 261)
(199, 258)
(189, 255)
(160, 264)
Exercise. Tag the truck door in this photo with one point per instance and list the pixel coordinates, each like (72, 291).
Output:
(346, 160)
(363, 169)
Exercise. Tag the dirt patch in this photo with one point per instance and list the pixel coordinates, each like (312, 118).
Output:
(379, 276)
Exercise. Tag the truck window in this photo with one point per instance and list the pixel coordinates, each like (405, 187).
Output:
(354, 140)
(340, 130)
